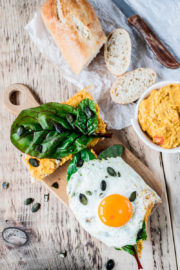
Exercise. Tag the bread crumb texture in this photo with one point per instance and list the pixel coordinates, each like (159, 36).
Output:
(48, 166)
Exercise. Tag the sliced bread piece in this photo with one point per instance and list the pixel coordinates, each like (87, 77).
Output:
(117, 51)
(130, 86)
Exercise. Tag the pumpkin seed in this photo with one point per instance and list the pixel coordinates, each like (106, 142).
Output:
(101, 195)
(35, 207)
(59, 128)
(34, 162)
(5, 185)
(83, 199)
(79, 163)
(103, 185)
(118, 174)
(55, 185)
(70, 118)
(88, 112)
(62, 254)
(111, 171)
(132, 196)
(88, 192)
(20, 131)
(39, 148)
(110, 265)
(46, 197)
(28, 201)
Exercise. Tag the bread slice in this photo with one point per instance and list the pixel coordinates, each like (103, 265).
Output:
(130, 86)
(117, 51)
(75, 29)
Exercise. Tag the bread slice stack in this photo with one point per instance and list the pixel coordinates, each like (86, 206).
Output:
(129, 86)
(75, 29)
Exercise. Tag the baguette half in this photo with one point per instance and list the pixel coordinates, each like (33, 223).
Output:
(130, 86)
(117, 51)
(76, 30)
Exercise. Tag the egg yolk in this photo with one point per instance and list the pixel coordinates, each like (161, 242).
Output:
(115, 210)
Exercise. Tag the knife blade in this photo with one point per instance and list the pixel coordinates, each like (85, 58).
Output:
(157, 47)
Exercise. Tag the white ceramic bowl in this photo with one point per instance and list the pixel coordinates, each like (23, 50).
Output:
(137, 127)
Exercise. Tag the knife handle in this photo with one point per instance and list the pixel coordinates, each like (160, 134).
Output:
(159, 50)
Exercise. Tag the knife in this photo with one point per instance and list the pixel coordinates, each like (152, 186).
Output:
(159, 50)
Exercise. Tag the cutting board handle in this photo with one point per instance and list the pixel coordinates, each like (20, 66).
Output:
(30, 100)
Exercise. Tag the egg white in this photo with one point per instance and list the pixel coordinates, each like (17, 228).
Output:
(88, 178)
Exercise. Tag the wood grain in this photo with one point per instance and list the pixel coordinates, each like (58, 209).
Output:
(53, 228)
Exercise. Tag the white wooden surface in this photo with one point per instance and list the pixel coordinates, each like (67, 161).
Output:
(53, 228)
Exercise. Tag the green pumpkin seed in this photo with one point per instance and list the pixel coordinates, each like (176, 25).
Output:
(34, 162)
(46, 197)
(35, 207)
(55, 185)
(59, 128)
(39, 148)
(88, 192)
(83, 199)
(70, 118)
(132, 196)
(79, 163)
(20, 131)
(88, 112)
(62, 254)
(103, 185)
(28, 201)
(118, 174)
(5, 185)
(111, 171)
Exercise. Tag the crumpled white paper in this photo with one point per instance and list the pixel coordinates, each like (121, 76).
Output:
(116, 116)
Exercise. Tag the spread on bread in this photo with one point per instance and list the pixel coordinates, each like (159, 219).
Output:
(75, 29)
(51, 133)
(159, 116)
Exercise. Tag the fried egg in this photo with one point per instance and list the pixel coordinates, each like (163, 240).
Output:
(110, 200)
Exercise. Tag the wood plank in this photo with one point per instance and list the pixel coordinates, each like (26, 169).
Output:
(54, 228)
(171, 167)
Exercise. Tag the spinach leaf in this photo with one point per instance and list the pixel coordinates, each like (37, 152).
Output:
(78, 160)
(112, 151)
(142, 235)
(86, 120)
(54, 130)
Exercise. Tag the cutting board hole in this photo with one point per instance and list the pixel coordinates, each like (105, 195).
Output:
(16, 98)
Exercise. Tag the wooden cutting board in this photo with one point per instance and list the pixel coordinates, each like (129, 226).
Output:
(60, 174)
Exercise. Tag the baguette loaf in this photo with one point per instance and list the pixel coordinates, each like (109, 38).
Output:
(75, 29)
(130, 86)
(117, 51)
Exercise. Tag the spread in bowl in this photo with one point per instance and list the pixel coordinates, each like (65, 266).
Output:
(159, 116)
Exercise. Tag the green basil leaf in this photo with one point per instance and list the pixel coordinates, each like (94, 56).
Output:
(112, 151)
(86, 120)
(78, 160)
(49, 130)
(142, 235)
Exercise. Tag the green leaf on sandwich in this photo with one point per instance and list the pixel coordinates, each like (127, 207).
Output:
(55, 130)
(112, 151)
(142, 235)
(78, 160)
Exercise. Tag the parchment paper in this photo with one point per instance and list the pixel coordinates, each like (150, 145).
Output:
(163, 16)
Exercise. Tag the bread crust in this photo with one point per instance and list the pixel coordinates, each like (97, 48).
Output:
(75, 29)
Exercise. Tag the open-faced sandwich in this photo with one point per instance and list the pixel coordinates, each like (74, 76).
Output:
(52, 133)
(110, 200)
